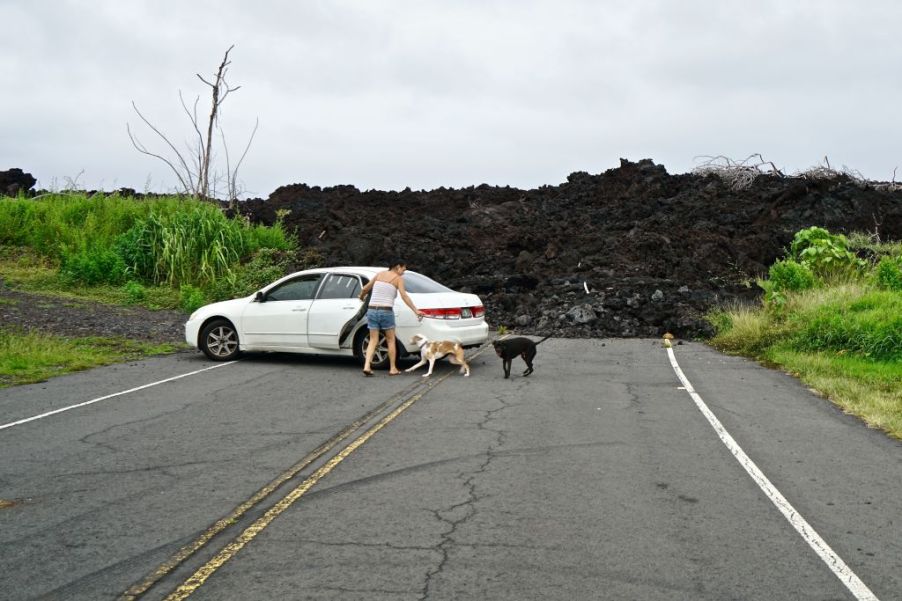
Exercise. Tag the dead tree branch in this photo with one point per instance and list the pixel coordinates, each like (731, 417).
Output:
(739, 175)
(194, 169)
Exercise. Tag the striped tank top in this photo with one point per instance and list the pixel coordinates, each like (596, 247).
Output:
(384, 294)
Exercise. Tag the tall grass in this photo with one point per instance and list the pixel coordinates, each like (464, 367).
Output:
(59, 222)
(110, 240)
(848, 319)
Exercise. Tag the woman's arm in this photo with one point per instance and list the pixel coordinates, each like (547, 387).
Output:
(406, 298)
(366, 289)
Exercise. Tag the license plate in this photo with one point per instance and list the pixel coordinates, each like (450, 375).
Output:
(465, 313)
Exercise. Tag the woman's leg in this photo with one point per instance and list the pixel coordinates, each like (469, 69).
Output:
(371, 349)
(392, 351)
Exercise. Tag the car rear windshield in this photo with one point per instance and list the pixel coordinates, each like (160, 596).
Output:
(417, 282)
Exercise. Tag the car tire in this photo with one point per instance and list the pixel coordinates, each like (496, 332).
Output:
(219, 340)
(380, 357)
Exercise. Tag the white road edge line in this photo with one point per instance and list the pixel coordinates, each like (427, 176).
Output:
(820, 546)
(109, 396)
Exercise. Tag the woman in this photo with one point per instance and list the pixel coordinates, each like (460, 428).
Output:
(380, 313)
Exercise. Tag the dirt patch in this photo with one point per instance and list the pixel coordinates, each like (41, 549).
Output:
(81, 318)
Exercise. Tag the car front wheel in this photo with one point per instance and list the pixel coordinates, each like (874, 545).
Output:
(219, 340)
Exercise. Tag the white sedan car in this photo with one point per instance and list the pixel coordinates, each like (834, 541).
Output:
(318, 311)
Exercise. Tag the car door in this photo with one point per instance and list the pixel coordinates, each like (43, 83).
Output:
(336, 303)
(278, 321)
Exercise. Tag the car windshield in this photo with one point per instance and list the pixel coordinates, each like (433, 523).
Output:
(417, 282)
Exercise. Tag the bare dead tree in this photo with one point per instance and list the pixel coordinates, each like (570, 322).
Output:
(232, 185)
(194, 167)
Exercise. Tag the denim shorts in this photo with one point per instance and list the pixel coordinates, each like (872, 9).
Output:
(378, 318)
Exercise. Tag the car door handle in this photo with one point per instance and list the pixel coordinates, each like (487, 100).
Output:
(300, 309)
(349, 307)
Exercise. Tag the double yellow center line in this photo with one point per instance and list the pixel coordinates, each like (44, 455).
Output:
(231, 549)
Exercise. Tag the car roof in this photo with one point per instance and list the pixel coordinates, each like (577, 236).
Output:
(352, 268)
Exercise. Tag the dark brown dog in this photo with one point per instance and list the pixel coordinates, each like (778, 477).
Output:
(509, 348)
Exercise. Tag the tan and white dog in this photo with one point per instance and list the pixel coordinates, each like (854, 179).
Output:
(433, 350)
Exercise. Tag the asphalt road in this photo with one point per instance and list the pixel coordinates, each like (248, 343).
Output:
(597, 477)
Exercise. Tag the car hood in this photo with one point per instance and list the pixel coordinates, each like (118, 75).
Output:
(228, 308)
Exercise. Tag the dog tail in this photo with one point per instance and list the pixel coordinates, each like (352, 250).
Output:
(542, 340)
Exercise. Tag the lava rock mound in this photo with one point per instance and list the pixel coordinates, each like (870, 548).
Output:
(633, 251)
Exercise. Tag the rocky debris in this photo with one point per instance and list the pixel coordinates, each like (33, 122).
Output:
(13, 181)
(633, 251)
(77, 318)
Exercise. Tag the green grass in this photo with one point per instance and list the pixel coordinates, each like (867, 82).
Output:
(866, 388)
(33, 357)
(24, 269)
(844, 341)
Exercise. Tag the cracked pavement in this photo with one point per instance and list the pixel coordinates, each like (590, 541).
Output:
(595, 477)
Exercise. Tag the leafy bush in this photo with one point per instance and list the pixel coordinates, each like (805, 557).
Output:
(191, 298)
(93, 266)
(266, 265)
(785, 276)
(791, 275)
(888, 274)
(272, 237)
(825, 254)
(135, 292)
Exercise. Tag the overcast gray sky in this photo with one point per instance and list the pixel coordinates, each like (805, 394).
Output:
(387, 94)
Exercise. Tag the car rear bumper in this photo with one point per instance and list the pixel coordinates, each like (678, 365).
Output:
(439, 329)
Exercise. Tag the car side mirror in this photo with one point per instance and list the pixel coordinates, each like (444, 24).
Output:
(259, 297)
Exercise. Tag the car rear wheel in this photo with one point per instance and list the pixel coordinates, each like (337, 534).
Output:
(219, 340)
(380, 357)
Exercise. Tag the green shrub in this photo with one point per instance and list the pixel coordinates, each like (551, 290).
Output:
(265, 266)
(135, 292)
(888, 274)
(791, 276)
(191, 298)
(274, 237)
(826, 255)
(92, 267)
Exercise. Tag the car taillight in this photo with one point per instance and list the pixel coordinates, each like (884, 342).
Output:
(442, 313)
(455, 313)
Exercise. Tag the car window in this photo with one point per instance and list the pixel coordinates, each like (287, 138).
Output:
(340, 286)
(301, 288)
(417, 282)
